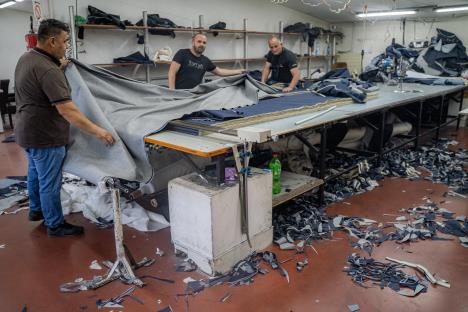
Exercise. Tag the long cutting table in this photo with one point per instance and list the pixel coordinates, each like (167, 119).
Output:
(216, 144)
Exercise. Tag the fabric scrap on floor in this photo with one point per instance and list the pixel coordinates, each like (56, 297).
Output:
(78, 197)
(367, 272)
(353, 307)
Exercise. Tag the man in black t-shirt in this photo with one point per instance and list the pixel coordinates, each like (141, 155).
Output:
(282, 64)
(190, 65)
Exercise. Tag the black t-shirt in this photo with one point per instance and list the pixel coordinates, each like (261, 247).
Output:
(192, 69)
(39, 85)
(281, 65)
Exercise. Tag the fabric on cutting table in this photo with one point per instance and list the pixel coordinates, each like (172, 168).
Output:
(331, 89)
(264, 106)
(341, 87)
(131, 110)
(415, 77)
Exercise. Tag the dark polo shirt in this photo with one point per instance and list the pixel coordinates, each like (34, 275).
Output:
(39, 85)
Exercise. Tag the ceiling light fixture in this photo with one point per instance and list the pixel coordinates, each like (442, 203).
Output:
(386, 13)
(6, 4)
(452, 9)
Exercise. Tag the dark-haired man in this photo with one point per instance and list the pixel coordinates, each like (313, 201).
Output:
(44, 113)
(282, 64)
(189, 66)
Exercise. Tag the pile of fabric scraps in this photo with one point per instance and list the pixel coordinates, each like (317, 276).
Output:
(365, 271)
(242, 273)
(380, 66)
(444, 166)
(424, 222)
(78, 196)
(116, 302)
(13, 191)
(339, 83)
(445, 56)
(299, 223)
(364, 178)
(367, 232)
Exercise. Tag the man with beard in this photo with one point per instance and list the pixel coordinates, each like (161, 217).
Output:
(283, 65)
(190, 65)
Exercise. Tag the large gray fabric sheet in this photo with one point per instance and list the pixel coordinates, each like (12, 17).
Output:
(131, 110)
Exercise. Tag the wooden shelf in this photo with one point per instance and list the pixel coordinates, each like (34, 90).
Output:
(185, 29)
(293, 185)
(258, 59)
(205, 30)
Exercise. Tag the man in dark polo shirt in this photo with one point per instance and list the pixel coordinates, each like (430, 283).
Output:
(282, 64)
(44, 113)
(189, 66)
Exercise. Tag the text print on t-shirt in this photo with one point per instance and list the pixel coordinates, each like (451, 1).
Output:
(195, 64)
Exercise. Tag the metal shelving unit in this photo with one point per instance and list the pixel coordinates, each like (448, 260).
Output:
(331, 38)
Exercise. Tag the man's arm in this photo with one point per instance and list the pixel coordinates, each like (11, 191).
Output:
(173, 69)
(266, 71)
(73, 115)
(296, 75)
(227, 72)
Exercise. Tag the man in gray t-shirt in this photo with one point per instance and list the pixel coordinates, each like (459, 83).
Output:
(44, 113)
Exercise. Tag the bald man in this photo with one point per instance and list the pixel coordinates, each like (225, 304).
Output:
(282, 64)
(189, 66)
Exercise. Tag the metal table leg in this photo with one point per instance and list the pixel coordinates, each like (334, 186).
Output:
(220, 166)
(441, 112)
(124, 264)
(383, 115)
(322, 167)
(460, 107)
(418, 124)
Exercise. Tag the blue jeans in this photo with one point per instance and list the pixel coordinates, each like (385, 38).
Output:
(45, 182)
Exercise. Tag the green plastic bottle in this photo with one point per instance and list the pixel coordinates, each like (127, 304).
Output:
(275, 167)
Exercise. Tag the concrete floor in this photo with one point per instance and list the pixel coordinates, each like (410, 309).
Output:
(32, 265)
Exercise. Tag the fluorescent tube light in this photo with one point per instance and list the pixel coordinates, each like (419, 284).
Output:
(452, 9)
(19, 0)
(386, 13)
(6, 4)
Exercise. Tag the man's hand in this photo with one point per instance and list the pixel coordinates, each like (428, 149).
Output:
(64, 63)
(105, 136)
(287, 89)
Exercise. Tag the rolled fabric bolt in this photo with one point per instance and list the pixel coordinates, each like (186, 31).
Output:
(314, 116)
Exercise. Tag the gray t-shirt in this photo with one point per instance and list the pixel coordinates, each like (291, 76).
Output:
(39, 85)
